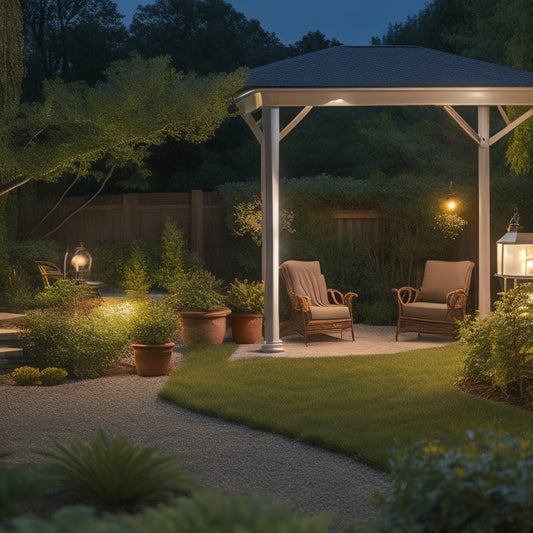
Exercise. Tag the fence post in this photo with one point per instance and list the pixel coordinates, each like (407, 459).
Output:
(197, 222)
(130, 217)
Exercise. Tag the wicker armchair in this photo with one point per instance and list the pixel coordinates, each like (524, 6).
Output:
(314, 307)
(50, 272)
(440, 301)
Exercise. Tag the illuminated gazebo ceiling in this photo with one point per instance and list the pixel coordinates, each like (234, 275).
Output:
(375, 76)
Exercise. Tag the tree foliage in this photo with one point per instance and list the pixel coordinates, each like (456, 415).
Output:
(203, 35)
(73, 39)
(312, 42)
(490, 30)
(142, 102)
(11, 74)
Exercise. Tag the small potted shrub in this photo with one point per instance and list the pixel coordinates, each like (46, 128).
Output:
(153, 328)
(247, 303)
(197, 297)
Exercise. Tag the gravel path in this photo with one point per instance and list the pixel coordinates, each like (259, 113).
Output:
(225, 457)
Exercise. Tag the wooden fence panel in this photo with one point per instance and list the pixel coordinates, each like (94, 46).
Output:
(122, 218)
(365, 225)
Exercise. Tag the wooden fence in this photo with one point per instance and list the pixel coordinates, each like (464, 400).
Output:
(123, 217)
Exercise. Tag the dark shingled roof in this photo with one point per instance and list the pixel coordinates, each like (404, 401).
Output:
(384, 66)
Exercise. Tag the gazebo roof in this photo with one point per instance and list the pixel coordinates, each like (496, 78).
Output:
(385, 66)
(383, 75)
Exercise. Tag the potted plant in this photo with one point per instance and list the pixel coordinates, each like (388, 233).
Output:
(197, 297)
(153, 328)
(247, 303)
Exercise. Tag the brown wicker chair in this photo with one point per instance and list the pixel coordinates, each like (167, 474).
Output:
(314, 307)
(440, 301)
(50, 272)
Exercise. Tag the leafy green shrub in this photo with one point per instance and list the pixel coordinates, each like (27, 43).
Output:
(480, 482)
(202, 513)
(63, 293)
(196, 291)
(246, 297)
(111, 471)
(176, 258)
(26, 375)
(136, 280)
(152, 322)
(499, 347)
(53, 376)
(80, 342)
(18, 484)
(107, 255)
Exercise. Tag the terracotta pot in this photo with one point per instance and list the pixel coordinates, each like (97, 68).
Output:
(152, 359)
(246, 328)
(199, 327)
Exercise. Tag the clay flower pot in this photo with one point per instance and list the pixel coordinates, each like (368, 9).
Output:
(152, 359)
(203, 327)
(246, 328)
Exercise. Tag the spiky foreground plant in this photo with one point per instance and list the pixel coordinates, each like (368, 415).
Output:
(111, 471)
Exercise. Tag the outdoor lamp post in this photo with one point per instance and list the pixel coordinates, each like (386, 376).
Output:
(515, 253)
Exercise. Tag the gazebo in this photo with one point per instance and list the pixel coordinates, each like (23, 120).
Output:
(375, 76)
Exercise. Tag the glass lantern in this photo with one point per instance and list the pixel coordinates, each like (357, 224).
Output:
(515, 253)
(81, 262)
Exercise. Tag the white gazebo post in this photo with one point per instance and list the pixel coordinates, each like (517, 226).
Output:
(484, 210)
(270, 228)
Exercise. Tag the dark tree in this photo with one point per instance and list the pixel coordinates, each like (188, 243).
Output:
(312, 42)
(203, 35)
(73, 39)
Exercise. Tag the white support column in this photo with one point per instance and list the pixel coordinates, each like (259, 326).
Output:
(270, 248)
(484, 210)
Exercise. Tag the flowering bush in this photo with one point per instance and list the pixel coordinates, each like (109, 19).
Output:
(248, 217)
(450, 225)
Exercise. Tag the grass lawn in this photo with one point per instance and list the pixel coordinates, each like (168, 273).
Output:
(361, 406)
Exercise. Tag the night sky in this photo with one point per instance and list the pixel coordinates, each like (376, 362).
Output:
(353, 22)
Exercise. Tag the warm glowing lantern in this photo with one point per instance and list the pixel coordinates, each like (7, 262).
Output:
(81, 261)
(515, 253)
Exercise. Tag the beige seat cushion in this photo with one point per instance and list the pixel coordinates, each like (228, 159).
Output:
(442, 277)
(330, 312)
(425, 310)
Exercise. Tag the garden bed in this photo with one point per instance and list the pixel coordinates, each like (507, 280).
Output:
(485, 389)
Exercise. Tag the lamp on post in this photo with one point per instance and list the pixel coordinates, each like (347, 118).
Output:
(82, 262)
(514, 254)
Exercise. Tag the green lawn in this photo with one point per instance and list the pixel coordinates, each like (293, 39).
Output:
(361, 406)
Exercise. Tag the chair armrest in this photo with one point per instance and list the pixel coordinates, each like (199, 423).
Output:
(299, 302)
(456, 299)
(406, 295)
(342, 299)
